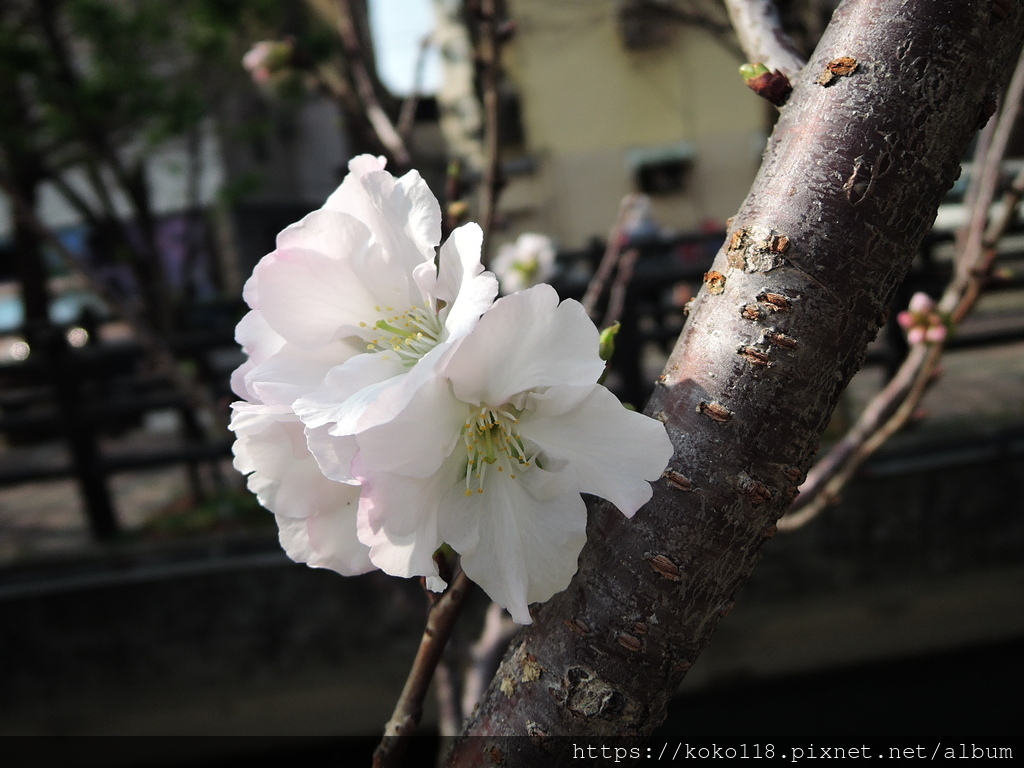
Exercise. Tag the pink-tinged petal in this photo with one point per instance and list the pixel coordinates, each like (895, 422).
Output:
(462, 284)
(259, 341)
(419, 436)
(250, 292)
(525, 341)
(294, 371)
(920, 303)
(915, 335)
(332, 536)
(343, 553)
(398, 520)
(312, 298)
(402, 214)
(519, 549)
(334, 455)
(935, 334)
(382, 278)
(610, 451)
(347, 390)
(905, 319)
(398, 505)
(271, 449)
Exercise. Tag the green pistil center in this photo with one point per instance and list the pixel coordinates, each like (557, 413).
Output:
(410, 334)
(492, 439)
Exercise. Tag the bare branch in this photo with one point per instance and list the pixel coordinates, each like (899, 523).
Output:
(407, 114)
(489, 57)
(486, 653)
(612, 255)
(356, 60)
(890, 409)
(762, 37)
(409, 708)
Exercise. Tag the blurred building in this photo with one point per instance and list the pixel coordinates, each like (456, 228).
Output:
(609, 98)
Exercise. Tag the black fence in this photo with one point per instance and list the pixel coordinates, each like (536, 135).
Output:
(87, 396)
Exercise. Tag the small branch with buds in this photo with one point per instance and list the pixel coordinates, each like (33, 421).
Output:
(926, 323)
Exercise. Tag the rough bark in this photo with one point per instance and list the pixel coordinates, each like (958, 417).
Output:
(862, 154)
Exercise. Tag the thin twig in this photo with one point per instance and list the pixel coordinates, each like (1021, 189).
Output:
(446, 692)
(762, 37)
(489, 57)
(407, 114)
(891, 408)
(610, 259)
(617, 293)
(485, 655)
(409, 707)
(356, 60)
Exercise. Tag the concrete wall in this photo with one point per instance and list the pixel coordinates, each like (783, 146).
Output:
(589, 103)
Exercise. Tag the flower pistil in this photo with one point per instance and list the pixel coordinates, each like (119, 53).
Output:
(491, 437)
(411, 335)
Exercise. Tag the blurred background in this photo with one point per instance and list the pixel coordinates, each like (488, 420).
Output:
(145, 171)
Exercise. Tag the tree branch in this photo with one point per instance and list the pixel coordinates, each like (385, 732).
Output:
(356, 60)
(762, 37)
(891, 409)
(489, 56)
(852, 176)
(409, 707)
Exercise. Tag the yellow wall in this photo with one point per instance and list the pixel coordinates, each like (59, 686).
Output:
(586, 100)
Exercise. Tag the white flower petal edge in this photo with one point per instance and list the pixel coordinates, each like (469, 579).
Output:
(316, 516)
(501, 452)
(348, 305)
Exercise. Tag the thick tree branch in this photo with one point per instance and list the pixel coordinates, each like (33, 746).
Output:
(863, 152)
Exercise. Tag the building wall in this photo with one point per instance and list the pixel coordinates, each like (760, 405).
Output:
(589, 104)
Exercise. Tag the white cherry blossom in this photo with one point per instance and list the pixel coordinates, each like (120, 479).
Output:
(529, 261)
(491, 456)
(349, 312)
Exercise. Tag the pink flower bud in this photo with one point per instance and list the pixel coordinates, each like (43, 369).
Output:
(935, 334)
(920, 303)
(916, 335)
(905, 319)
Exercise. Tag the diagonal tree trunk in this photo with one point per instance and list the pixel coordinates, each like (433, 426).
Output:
(863, 152)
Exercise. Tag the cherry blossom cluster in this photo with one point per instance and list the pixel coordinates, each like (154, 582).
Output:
(391, 405)
(922, 321)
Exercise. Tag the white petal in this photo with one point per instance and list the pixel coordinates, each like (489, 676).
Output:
(332, 536)
(312, 299)
(462, 284)
(294, 371)
(346, 391)
(271, 449)
(402, 214)
(316, 517)
(398, 520)
(398, 505)
(343, 553)
(418, 436)
(610, 451)
(259, 341)
(333, 454)
(520, 550)
(525, 341)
